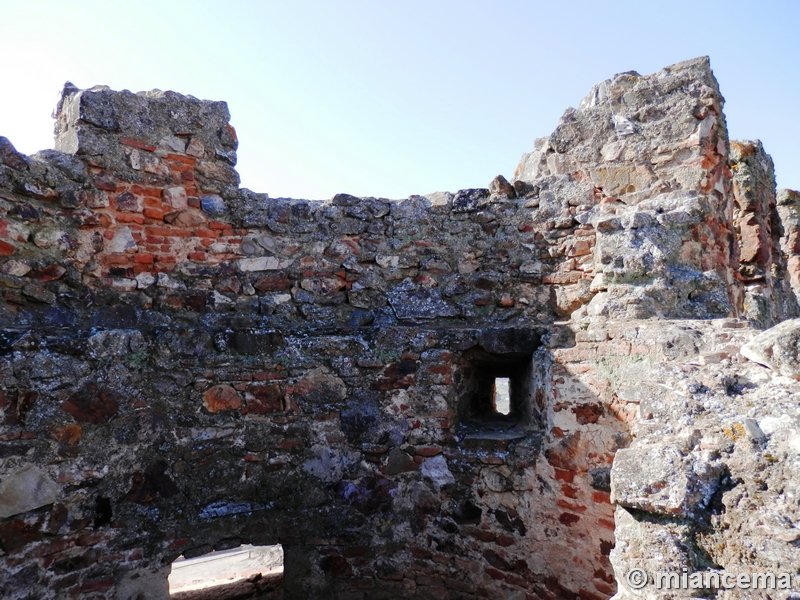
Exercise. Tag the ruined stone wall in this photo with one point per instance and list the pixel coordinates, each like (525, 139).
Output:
(187, 365)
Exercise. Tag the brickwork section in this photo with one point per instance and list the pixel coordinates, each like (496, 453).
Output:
(191, 365)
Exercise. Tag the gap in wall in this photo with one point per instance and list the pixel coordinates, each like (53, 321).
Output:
(502, 395)
(243, 572)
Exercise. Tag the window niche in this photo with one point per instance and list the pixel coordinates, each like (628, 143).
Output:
(499, 382)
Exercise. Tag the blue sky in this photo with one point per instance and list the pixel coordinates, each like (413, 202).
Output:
(390, 98)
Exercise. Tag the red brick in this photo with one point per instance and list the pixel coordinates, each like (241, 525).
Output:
(134, 143)
(221, 397)
(569, 491)
(146, 190)
(6, 249)
(15, 535)
(563, 475)
(197, 256)
(571, 506)
(615, 347)
(205, 233)
(505, 540)
(186, 160)
(601, 497)
(289, 444)
(608, 590)
(569, 518)
(154, 213)
(495, 574)
(420, 553)
(218, 225)
(165, 231)
(481, 534)
(266, 398)
(562, 278)
(90, 539)
(427, 450)
(105, 183)
(606, 524)
(144, 258)
(119, 259)
(129, 218)
(268, 376)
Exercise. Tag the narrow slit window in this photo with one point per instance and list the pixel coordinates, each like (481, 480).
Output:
(502, 395)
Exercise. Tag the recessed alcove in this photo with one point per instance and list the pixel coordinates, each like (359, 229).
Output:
(498, 381)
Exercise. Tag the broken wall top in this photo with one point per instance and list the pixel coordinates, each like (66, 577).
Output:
(626, 210)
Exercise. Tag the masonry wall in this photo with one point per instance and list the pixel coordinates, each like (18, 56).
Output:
(188, 365)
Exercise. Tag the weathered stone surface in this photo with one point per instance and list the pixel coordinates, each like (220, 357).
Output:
(221, 397)
(213, 204)
(777, 348)
(26, 489)
(91, 404)
(437, 471)
(319, 387)
(265, 263)
(329, 465)
(659, 479)
(347, 353)
(411, 302)
(115, 343)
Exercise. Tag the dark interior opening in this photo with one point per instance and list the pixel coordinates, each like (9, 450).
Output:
(509, 363)
(103, 512)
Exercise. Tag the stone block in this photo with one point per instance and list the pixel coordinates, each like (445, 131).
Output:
(26, 489)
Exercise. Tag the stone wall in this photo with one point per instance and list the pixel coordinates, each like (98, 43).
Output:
(188, 366)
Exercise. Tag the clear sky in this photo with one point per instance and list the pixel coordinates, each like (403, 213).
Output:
(395, 97)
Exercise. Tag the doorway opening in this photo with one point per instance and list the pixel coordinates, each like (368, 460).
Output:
(235, 574)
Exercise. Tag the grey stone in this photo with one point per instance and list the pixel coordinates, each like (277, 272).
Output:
(500, 186)
(144, 583)
(660, 479)
(329, 465)
(777, 348)
(16, 268)
(26, 489)
(122, 240)
(165, 281)
(399, 462)
(469, 200)
(410, 302)
(176, 197)
(437, 471)
(264, 263)
(213, 204)
(115, 342)
(754, 431)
